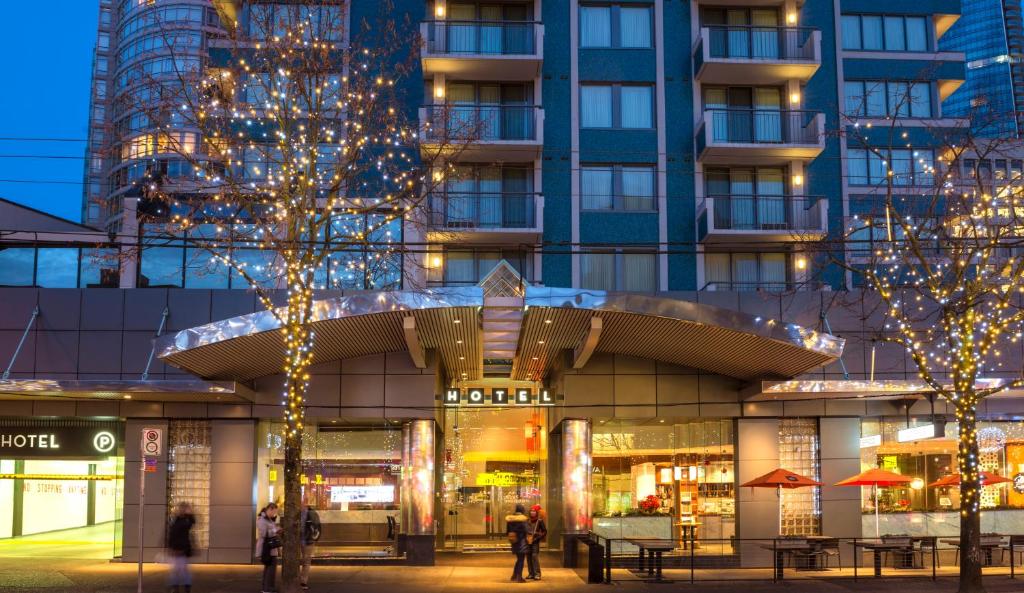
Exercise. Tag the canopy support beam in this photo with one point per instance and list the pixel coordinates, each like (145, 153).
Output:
(21, 342)
(412, 342)
(585, 350)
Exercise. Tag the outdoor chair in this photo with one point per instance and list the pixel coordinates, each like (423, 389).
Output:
(904, 553)
(929, 546)
(830, 549)
(986, 540)
(1017, 543)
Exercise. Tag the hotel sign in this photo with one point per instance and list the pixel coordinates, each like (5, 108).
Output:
(925, 431)
(27, 442)
(498, 397)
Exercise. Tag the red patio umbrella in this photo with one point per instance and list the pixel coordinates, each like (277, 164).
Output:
(876, 477)
(987, 479)
(779, 479)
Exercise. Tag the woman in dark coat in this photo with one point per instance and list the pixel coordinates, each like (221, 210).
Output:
(536, 531)
(516, 529)
(179, 547)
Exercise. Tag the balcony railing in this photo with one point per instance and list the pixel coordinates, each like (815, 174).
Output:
(484, 38)
(762, 285)
(482, 122)
(765, 213)
(762, 126)
(483, 210)
(769, 44)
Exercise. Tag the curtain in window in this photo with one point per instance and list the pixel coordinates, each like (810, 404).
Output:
(854, 98)
(767, 115)
(487, 262)
(638, 188)
(596, 188)
(921, 99)
(924, 168)
(876, 168)
(851, 32)
(635, 26)
(902, 167)
(874, 98)
(765, 34)
(741, 198)
(491, 29)
(462, 115)
(872, 32)
(771, 207)
(639, 272)
(744, 271)
(517, 201)
(917, 34)
(595, 106)
(717, 270)
(462, 200)
(636, 107)
(595, 26)
(462, 30)
(597, 271)
(715, 101)
(857, 166)
(894, 36)
(773, 271)
(899, 99)
(490, 197)
(491, 112)
(739, 33)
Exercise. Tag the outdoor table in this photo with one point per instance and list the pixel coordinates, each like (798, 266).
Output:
(988, 544)
(877, 548)
(782, 546)
(689, 533)
(654, 548)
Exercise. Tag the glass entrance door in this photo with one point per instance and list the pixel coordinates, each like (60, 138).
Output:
(494, 459)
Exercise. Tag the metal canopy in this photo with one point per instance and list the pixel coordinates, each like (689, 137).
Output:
(448, 322)
(881, 389)
(249, 346)
(176, 390)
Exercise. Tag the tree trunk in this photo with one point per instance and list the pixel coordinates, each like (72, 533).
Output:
(970, 516)
(298, 343)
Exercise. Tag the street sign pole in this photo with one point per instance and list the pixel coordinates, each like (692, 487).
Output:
(152, 441)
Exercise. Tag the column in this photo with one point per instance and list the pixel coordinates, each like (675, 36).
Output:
(757, 509)
(419, 523)
(576, 472)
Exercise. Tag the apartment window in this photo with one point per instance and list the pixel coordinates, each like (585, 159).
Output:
(619, 271)
(617, 106)
(885, 33)
(462, 267)
(615, 26)
(879, 98)
(617, 187)
(746, 271)
(909, 166)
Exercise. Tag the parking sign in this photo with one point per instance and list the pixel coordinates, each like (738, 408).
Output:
(152, 441)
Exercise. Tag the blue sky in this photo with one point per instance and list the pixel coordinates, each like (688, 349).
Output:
(47, 51)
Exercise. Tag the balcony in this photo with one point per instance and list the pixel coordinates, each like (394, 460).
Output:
(764, 286)
(483, 50)
(483, 217)
(488, 132)
(759, 136)
(736, 218)
(756, 55)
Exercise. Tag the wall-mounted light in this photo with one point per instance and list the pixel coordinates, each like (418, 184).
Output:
(436, 261)
(798, 180)
(439, 92)
(439, 10)
(801, 262)
(791, 18)
(794, 98)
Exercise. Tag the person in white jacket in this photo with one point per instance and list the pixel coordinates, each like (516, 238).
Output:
(268, 546)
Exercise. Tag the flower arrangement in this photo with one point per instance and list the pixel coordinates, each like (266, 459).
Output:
(650, 504)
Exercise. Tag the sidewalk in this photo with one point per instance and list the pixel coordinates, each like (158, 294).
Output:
(479, 574)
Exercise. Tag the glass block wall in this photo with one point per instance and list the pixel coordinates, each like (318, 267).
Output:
(799, 453)
(188, 473)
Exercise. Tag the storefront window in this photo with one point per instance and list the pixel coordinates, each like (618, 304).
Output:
(665, 478)
(352, 476)
(925, 506)
(493, 460)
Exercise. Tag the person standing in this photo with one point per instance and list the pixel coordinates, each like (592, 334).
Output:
(179, 548)
(516, 531)
(536, 531)
(268, 546)
(310, 535)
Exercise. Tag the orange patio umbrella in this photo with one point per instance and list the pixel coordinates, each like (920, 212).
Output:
(779, 479)
(987, 479)
(876, 477)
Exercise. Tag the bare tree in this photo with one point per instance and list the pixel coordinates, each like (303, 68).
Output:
(299, 165)
(940, 253)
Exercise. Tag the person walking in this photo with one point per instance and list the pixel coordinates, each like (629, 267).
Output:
(536, 531)
(179, 548)
(516, 531)
(310, 535)
(268, 546)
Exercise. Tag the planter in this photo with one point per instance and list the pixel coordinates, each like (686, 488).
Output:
(655, 526)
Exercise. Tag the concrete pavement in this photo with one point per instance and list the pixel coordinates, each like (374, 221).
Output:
(477, 574)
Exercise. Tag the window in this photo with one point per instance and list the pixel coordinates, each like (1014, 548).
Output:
(889, 33)
(615, 26)
(746, 271)
(617, 106)
(879, 98)
(617, 187)
(463, 267)
(16, 266)
(619, 271)
(909, 166)
(57, 267)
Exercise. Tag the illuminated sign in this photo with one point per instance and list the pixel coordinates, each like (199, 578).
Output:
(357, 494)
(871, 441)
(498, 397)
(917, 433)
(54, 440)
(502, 479)
(1018, 483)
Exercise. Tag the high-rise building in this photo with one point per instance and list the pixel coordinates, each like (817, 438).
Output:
(991, 35)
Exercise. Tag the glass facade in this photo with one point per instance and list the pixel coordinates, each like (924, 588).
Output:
(59, 267)
(188, 473)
